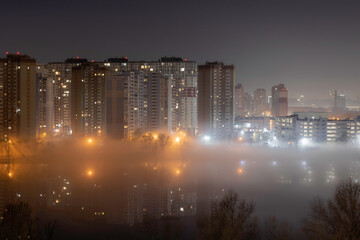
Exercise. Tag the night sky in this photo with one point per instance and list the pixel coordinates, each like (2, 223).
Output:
(311, 46)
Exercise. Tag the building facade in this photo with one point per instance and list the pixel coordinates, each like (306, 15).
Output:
(317, 128)
(279, 101)
(18, 97)
(216, 83)
(260, 102)
(61, 74)
(239, 100)
(88, 100)
(179, 77)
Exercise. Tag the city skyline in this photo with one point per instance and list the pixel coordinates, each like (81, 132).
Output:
(296, 43)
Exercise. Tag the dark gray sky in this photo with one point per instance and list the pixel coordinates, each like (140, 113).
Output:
(310, 45)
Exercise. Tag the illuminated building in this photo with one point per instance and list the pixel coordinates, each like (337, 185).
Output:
(125, 104)
(216, 83)
(61, 74)
(279, 104)
(248, 104)
(179, 77)
(317, 128)
(18, 97)
(337, 102)
(45, 102)
(259, 102)
(239, 100)
(88, 100)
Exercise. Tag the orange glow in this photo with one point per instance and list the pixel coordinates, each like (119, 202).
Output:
(178, 172)
(240, 170)
(155, 136)
(10, 174)
(177, 139)
(240, 139)
(90, 173)
(89, 140)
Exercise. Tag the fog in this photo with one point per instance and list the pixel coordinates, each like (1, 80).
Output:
(281, 182)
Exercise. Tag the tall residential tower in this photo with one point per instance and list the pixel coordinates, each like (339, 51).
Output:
(216, 84)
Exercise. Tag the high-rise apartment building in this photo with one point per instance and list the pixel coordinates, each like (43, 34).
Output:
(61, 74)
(18, 97)
(337, 101)
(216, 85)
(179, 77)
(239, 100)
(125, 104)
(248, 104)
(279, 105)
(88, 100)
(45, 102)
(259, 102)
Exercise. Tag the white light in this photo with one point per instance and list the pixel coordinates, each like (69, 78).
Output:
(303, 163)
(206, 138)
(274, 163)
(305, 142)
(242, 162)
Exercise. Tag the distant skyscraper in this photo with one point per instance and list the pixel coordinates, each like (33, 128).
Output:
(17, 97)
(279, 106)
(61, 73)
(341, 101)
(248, 104)
(337, 101)
(88, 100)
(216, 83)
(239, 100)
(259, 102)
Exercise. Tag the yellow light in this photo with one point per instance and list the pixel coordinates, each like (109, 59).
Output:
(240, 170)
(177, 171)
(177, 139)
(90, 173)
(155, 136)
(89, 140)
(10, 174)
(240, 139)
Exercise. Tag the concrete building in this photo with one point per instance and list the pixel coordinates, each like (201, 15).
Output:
(316, 127)
(88, 100)
(61, 74)
(260, 102)
(125, 104)
(337, 102)
(18, 97)
(180, 76)
(279, 105)
(216, 83)
(239, 100)
(248, 104)
(45, 102)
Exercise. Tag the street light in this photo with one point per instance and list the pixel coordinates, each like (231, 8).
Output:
(90, 173)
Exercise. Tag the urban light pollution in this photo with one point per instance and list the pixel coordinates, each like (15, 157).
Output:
(180, 120)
